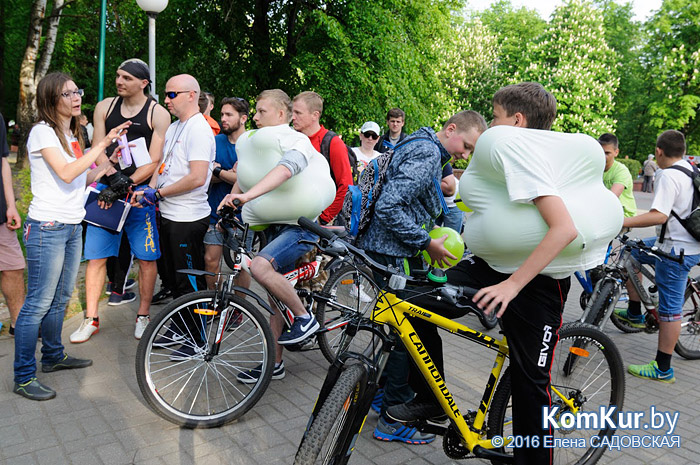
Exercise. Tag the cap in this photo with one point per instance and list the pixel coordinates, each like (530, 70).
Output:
(370, 126)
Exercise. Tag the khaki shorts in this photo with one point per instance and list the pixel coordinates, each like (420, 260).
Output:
(11, 257)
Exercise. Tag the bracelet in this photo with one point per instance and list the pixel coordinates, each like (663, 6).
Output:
(217, 171)
(159, 196)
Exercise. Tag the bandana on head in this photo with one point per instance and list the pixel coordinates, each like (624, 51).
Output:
(137, 68)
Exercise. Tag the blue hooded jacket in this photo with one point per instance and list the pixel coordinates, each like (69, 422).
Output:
(409, 202)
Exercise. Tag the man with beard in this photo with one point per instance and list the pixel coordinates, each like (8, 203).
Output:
(234, 114)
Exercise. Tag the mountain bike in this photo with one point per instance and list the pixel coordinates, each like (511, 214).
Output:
(610, 285)
(595, 381)
(225, 334)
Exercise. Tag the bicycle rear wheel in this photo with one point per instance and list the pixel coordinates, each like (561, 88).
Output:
(351, 292)
(329, 439)
(187, 383)
(596, 380)
(688, 345)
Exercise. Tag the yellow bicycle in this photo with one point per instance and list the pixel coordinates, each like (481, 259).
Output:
(587, 375)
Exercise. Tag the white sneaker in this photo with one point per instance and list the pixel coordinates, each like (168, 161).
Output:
(363, 295)
(87, 328)
(141, 323)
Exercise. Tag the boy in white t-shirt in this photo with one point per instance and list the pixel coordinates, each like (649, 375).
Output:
(673, 193)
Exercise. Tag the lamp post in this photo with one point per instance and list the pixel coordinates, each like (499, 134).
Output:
(152, 8)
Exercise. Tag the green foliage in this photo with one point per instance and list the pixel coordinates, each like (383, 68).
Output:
(635, 166)
(574, 62)
(460, 164)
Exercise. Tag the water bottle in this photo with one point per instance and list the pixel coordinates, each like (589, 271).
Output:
(654, 295)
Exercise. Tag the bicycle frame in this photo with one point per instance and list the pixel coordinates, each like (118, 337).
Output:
(392, 311)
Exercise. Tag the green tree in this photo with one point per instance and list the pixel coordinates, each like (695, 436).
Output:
(516, 29)
(672, 59)
(573, 61)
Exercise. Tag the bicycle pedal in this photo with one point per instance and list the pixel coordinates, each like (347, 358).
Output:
(431, 427)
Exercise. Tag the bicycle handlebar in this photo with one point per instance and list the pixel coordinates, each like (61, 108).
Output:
(639, 244)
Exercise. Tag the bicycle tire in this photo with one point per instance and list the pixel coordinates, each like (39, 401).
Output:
(688, 345)
(600, 304)
(330, 431)
(590, 371)
(488, 321)
(341, 285)
(201, 391)
(259, 243)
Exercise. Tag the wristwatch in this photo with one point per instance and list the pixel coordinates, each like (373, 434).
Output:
(217, 171)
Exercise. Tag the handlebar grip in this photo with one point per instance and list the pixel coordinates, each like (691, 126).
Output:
(236, 202)
(315, 228)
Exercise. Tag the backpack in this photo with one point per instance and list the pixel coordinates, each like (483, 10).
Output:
(360, 199)
(326, 152)
(691, 223)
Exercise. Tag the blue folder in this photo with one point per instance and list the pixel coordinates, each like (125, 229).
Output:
(112, 218)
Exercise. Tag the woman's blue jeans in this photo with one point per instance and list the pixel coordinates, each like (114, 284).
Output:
(53, 258)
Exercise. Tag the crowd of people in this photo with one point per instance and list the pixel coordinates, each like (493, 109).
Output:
(528, 232)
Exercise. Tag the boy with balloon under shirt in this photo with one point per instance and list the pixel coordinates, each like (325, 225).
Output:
(534, 194)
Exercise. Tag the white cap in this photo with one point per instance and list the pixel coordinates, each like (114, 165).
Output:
(370, 126)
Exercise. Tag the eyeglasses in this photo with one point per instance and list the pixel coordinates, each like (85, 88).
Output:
(171, 95)
(73, 93)
(370, 135)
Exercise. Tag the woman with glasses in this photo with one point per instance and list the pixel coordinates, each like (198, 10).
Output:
(369, 133)
(53, 230)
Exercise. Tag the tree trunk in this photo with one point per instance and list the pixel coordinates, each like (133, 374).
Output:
(29, 73)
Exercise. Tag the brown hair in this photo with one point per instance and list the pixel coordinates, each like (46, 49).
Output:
(465, 120)
(48, 96)
(672, 143)
(396, 113)
(532, 100)
(608, 139)
(239, 104)
(279, 98)
(313, 101)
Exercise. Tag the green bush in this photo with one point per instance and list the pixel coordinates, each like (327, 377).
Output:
(460, 164)
(634, 166)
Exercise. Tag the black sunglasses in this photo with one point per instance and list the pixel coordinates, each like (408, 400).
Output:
(370, 135)
(171, 95)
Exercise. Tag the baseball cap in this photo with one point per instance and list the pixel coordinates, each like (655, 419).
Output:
(370, 126)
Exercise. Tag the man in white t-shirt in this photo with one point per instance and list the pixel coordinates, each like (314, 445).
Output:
(180, 186)
(673, 198)
(278, 171)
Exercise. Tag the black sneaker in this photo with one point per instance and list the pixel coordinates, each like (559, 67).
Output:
(252, 376)
(300, 330)
(121, 299)
(169, 338)
(130, 283)
(414, 410)
(67, 363)
(34, 390)
(161, 296)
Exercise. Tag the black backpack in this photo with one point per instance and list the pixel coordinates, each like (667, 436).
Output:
(326, 152)
(691, 223)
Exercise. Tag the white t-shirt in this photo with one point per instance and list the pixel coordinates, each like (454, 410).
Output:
(362, 159)
(513, 166)
(53, 200)
(307, 193)
(673, 190)
(185, 142)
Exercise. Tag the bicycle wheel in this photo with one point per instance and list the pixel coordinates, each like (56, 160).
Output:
(597, 380)
(351, 292)
(601, 300)
(329, 438)
(199, 389)
(688, 345)
(259, 243)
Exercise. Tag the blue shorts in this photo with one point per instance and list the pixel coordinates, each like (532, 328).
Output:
(671, 279)
(283, 248)
(141, 230)
(216, 237)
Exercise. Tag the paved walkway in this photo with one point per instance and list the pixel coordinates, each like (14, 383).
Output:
(99, 416)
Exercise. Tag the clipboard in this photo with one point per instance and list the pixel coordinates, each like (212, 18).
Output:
(112, 218)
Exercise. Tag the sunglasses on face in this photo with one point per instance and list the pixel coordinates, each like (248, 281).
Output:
(171, 95)
(370, 135)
